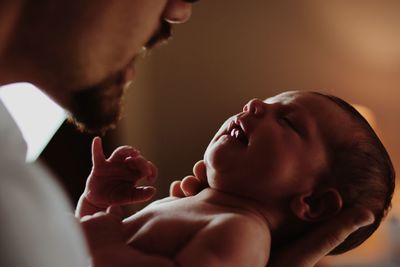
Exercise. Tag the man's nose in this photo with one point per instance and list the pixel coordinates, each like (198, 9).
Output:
(178, 11)
(255, 107)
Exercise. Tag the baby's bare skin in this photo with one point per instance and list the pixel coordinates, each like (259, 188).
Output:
(207, 241)
(208, 229)
(181, 228)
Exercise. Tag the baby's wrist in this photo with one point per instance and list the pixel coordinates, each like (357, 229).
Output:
(87, 206)
(94, 201)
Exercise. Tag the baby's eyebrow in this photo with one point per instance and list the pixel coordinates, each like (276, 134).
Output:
(302, 119)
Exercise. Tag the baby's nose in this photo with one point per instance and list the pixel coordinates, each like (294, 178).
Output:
(255, 107)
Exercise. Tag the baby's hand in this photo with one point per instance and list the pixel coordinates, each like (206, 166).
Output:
(113, 181)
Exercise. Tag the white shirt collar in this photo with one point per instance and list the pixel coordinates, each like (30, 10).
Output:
(11, 141)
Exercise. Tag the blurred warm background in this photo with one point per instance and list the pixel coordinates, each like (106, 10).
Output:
(232, 51)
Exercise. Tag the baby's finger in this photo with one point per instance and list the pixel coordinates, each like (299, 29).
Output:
(97, 151)
(97, 215)
(151, 178)
(129, 195)
(139, 165)
(116, 212)
(123, 152)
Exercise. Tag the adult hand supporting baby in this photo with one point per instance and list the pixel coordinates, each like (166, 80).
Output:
(311, 249)
(191, 184)
(305, 252)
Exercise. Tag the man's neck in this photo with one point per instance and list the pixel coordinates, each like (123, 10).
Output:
(10, 11)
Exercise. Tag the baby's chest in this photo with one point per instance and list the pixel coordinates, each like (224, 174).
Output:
(167, 233)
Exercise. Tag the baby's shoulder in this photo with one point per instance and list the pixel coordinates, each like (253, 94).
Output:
(238, 220)
(232, 237)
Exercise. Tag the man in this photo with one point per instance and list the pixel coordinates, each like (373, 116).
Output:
(82, 54)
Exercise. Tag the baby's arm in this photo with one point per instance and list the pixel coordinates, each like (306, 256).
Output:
(232, 241)
(112, 181)
(108, 246)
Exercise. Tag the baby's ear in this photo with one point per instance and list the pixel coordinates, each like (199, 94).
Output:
(318, 205)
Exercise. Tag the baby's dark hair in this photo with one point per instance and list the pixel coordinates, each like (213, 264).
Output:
(363, 173)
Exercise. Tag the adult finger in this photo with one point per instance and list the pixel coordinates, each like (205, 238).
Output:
(200, 171)
(191, 185)
(175, 189)
(312, 248)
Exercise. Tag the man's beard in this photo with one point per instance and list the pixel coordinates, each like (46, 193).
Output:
(98, 108)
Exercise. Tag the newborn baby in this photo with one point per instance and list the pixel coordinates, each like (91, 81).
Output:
(275, 170)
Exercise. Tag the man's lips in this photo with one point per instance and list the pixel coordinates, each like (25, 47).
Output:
(163, 33)
(129, 71)
(125, 76)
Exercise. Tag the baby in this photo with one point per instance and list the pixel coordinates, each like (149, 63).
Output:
(275, 170)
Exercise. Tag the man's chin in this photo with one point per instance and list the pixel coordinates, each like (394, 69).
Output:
(98, 108)
(94, 125)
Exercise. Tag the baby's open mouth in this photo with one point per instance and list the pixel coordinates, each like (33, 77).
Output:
(236, 131)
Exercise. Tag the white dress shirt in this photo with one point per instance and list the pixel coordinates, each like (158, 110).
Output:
(37, 226)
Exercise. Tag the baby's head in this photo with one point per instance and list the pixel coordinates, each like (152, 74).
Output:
(305, 156)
